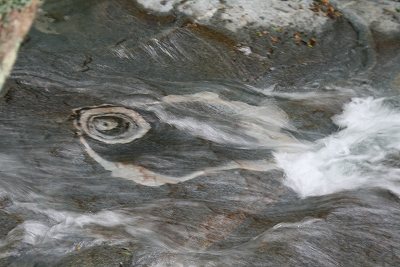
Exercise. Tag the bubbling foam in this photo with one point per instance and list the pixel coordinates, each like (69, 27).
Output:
(364, 153)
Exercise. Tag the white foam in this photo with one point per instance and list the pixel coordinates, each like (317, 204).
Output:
(357, 156)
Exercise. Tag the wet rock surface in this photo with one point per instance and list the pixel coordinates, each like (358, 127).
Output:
(132, 137)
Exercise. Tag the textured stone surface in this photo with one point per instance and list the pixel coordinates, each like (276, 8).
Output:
(218, 104)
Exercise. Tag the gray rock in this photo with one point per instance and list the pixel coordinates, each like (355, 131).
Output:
(218, 103)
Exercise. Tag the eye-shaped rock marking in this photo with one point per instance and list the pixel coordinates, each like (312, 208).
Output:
(120, 125)
(111, 125)
(190, 133)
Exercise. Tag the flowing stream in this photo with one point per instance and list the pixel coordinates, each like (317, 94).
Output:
(129, 138)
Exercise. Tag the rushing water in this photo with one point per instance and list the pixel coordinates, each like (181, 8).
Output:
(363, 153)
(156, 145)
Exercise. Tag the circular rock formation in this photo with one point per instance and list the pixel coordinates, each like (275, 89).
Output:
(110, 124)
